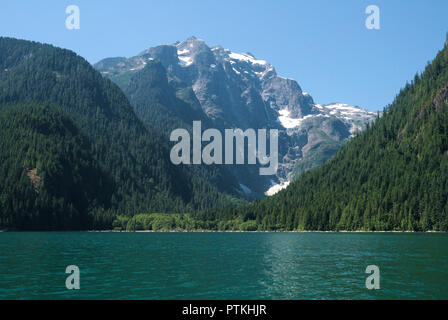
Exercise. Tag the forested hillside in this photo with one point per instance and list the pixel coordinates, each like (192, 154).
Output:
(393, 176)
(158, 104)
(74, 155)
(49, 178)
(133, 157)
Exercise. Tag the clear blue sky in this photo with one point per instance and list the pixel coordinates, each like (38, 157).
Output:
(323, 44)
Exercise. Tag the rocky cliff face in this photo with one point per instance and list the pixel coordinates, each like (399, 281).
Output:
(237, 90)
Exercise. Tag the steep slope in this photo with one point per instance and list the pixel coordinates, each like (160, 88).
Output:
(161, 106)
(49, 178)
(393, 176)
(155, 100)
(136, 157)
(239, 91)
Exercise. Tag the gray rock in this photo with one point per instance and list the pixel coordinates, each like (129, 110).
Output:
(239, 91)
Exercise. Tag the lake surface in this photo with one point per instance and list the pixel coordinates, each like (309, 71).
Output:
(223, 265)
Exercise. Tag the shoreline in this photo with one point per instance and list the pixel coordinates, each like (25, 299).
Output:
(222, 231)
(231, 231)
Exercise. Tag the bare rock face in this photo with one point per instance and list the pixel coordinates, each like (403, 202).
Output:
(441, 98)
(237, 90)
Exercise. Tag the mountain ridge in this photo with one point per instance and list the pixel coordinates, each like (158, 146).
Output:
(238, 90)
(134, 157)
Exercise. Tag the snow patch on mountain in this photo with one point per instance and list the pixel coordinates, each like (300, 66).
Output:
(286, 121)
(275, 188)
(289, 123)
(247, 58)
(184, 57)
(354, 117)
(183, 52)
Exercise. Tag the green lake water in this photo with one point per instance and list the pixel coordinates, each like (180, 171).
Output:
(223, 265)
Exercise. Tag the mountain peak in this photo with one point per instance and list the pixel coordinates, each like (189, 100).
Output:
(191, 41)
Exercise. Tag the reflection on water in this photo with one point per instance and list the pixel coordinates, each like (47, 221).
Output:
(223, 265)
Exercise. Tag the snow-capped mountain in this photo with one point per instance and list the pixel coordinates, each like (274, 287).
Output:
(239, 90)
(353, 117)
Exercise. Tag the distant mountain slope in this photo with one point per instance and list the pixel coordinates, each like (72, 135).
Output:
(164, 108)
(393, 176)
(135, 156)
(237, 90)
(156, 102)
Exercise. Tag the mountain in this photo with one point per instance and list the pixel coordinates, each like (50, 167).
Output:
(392, 176)
(164, 109)
(234, 90)
(79, 130)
